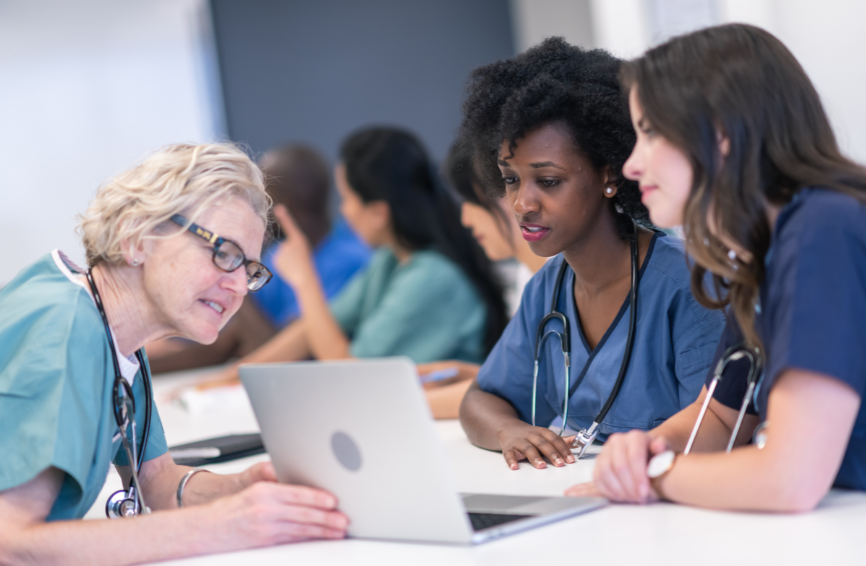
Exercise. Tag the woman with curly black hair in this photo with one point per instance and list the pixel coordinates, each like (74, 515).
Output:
(551, 130)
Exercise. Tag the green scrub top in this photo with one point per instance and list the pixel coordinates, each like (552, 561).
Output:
(56, 383)
(424, 308)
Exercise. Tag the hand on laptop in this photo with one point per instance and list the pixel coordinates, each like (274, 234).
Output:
(267, 513)
(519, 441)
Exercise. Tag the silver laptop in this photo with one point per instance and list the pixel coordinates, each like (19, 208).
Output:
(363, 431)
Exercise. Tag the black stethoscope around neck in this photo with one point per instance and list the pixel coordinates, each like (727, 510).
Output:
(585, 436)
(126, 502)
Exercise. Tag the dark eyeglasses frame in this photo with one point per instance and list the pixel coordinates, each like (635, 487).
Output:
(261, 272)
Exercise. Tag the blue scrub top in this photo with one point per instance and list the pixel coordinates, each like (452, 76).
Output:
(337, 259)
(56, 381)
(812, 312)
(674, 342)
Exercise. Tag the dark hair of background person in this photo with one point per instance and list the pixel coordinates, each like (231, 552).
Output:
(391, 165)
(740, 82)
(299, 178)
(555, 82)
(461, 175)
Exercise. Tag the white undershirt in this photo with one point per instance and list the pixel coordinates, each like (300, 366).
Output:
(128, 365)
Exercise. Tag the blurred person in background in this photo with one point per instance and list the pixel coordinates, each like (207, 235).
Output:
(429, 292)
(297, 177)
(495, 229)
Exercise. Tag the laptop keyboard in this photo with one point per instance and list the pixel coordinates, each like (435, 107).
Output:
(481, 521)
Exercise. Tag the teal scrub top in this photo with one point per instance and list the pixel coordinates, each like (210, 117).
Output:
(56, 383)
(424, 308)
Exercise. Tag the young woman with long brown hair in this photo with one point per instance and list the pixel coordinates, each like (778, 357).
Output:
(734, 145)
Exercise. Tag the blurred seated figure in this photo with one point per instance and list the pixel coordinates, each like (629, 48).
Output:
(429, 292)
(495, 228)
(298, 178)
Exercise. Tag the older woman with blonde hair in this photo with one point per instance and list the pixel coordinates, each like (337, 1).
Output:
(173, 247)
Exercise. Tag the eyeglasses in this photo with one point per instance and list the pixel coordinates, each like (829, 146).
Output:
(228, 256)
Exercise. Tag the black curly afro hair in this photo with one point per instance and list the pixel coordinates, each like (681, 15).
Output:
(554, 82)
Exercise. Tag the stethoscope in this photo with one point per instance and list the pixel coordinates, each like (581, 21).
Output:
(732, 354)
(663, 461)
(128, 502)
(586, 436)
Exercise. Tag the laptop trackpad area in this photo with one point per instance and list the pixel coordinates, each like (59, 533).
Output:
(517, 504)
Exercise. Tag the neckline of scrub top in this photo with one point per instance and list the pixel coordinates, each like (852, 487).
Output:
(572, 304)
(128, 365)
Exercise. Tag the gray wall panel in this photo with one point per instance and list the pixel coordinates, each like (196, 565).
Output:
(315, 70)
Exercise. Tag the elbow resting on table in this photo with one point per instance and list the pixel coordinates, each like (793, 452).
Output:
(797, 490)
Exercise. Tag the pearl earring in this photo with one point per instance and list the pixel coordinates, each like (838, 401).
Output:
(608, 190)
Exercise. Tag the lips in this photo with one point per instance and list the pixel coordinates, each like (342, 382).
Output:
(218, 308)
(646, 190)
(533, 232)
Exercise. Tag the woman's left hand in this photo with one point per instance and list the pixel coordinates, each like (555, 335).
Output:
(293, 259)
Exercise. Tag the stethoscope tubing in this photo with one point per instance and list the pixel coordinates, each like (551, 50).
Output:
(124, 401)
(732, 354)
(565, 338)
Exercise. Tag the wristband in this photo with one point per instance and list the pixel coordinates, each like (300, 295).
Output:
(182, 485)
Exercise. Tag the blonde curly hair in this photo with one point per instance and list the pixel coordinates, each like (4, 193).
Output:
(176, 179)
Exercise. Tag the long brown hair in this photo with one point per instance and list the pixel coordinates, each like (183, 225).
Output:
(740, 82)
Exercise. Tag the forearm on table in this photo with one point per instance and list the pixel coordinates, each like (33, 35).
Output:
(445, 401)
(325, 337)
(794, 470)
(483, 415)
(149, 538)
(747, 479)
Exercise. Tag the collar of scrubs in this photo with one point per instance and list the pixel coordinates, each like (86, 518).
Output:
(585, 361)
(129, 366)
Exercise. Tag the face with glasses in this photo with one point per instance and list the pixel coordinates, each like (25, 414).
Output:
(196, 281)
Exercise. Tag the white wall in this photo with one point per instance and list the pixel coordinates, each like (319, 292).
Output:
(826, 37)
(86, 88)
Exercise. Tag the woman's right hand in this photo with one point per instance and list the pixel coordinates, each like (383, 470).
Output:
(620, 472)
(268, 513)
(519, 440)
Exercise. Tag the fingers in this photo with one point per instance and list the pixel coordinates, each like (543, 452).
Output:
(553, 447)
(588, 489)
(512, 457)
(287, 223)
(536, 444)
(294, 495)
(333, 520)
(620, 470)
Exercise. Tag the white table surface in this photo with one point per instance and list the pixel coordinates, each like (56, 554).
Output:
(661, 533)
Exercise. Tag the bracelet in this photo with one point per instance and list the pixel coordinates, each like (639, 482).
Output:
(182, 485)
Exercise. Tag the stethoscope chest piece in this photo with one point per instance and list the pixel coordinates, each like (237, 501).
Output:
(122, 504)
(584, 438)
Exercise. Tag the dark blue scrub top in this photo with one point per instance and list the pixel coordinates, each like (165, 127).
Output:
(812, 312)
(674, 342)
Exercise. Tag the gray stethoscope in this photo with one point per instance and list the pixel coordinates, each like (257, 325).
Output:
(584, 437)
(663, 461)
(733, 354)
(128, 502)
